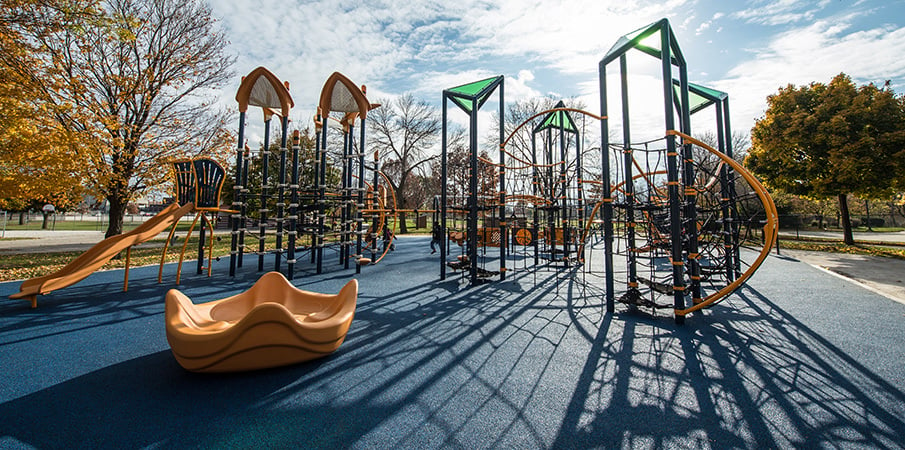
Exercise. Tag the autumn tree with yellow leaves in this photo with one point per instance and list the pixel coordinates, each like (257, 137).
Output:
(37, 163)
(128, 85)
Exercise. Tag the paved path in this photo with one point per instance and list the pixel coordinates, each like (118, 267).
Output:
(46, 241)
(885, 276)
(898, 236)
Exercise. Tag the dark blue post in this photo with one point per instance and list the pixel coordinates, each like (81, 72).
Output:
(281, 195)
(234, 239)
(443, 187)
(265, 197)
(606, 193)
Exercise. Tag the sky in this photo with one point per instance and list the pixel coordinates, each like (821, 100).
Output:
(748, 49)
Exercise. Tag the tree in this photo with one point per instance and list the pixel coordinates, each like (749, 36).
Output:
(831, 140)
(37, 158)
(134, 84)
(38, 163)
(404, 131)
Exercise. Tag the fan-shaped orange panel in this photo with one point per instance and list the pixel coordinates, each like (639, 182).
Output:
(340, 94)
(271, 324)
(262, 88)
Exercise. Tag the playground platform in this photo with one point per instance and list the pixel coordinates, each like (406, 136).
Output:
(798, 358)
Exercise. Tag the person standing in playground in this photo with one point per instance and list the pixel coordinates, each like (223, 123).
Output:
(388, 239)
(436, 237)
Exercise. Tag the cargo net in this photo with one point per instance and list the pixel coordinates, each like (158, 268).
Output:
(711, 216)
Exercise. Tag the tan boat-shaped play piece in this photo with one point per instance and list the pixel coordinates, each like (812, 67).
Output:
(271, 324)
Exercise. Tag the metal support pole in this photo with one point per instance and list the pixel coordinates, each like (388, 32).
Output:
(503, 224)
(535, 186)
(472, 228)
(733, 209)
(443, 188)
(629, 186)
(234, 241)
(606, 195)
(344, 197)
(322, 195)
(265, 197)
(359, 220)
(691, 194)
(672, 156)
(293, 205)
(242, 193)
(281, 194)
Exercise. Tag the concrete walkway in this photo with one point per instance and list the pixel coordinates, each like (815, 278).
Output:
(884, 276)
(46, 241)
(898, 236)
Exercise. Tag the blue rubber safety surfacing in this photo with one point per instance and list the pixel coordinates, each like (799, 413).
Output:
(797, 358)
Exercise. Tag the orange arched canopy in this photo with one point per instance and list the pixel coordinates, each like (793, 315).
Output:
(342, 95)
(262, 88)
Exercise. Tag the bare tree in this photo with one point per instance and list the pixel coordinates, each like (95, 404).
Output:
(136, 83)
(405, 131)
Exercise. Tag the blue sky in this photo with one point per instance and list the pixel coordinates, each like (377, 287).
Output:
(551, 48)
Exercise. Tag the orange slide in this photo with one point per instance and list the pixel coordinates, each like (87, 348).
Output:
(88, 262)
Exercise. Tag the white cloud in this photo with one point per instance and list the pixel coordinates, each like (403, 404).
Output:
(813, 53)
(781, 12)
(424, 47)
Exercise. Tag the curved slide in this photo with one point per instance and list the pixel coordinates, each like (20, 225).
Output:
(93, 259)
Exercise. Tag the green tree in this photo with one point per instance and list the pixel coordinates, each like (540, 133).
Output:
(831, 140)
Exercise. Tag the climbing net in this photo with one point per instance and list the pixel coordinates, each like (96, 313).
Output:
(721, 222)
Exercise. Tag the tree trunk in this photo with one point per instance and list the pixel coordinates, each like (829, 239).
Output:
(402, 203)
(44, 222)
(403, 229)
(846, 220)
(116, 213)
(867, 212)
(21, 217)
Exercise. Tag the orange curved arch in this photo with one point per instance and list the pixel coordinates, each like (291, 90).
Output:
(326, 99)
(516, 130)
(770, 228)
(243, 96)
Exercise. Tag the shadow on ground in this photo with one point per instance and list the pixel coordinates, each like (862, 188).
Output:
(529, 362)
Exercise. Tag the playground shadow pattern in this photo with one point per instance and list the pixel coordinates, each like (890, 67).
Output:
(798, 358)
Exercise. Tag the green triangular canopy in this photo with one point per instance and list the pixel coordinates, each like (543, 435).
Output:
(467, 95)
(557, 119)
(638, 40)
(699, 97)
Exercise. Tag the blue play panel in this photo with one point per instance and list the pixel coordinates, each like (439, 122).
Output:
(798, 358)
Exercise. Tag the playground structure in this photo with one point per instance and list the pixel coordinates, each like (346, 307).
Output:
(675, 212)
(469, 98)
(681, 218)
(198, 182)
(320, 196)
(539, 210)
